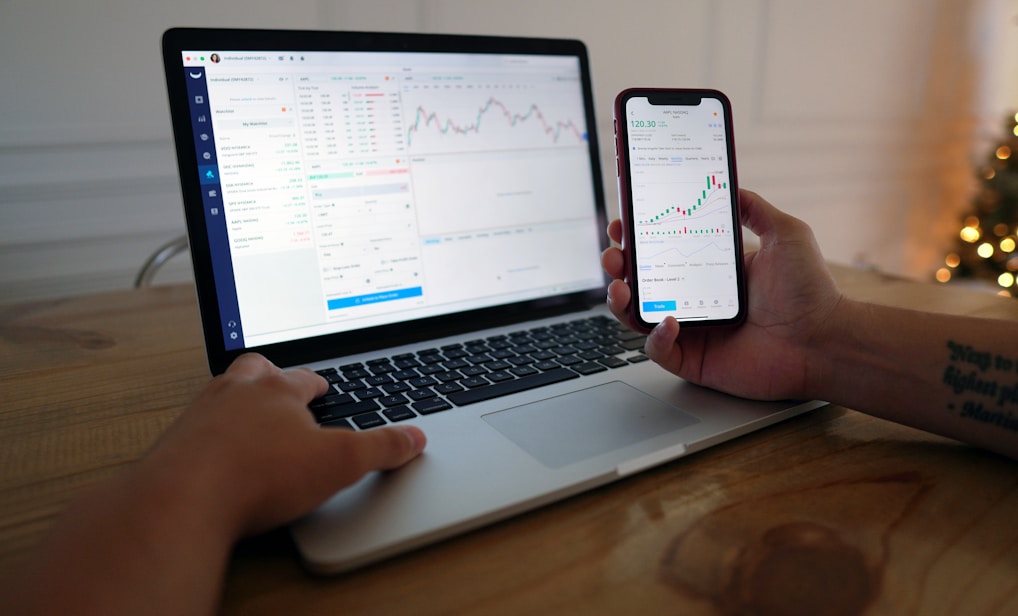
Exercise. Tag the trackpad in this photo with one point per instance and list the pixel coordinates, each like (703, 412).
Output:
(579, 425)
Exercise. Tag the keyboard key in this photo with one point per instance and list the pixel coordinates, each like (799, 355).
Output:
(524, 370)
(421, 394)
(357, 407)
(399, 413)
(331, 401)
(589, 367)
(612, 362)
(634, 344)
(434, 405)
(338, 423)
(423, 381)
(382, 368)
(326, 414)
(369, 393)
(375, 381)
(448, 388)
(395, 388)
(474, 381)
(368, 420)
(392, 401)
(505, 388)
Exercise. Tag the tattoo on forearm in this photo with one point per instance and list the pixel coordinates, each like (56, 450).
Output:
(991, 379)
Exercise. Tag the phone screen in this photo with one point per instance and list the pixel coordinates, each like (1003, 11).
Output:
(680, 191)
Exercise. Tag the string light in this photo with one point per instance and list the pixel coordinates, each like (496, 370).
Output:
(987, 247)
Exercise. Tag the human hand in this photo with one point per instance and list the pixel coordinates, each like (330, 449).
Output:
(251, 442)
(790, 293)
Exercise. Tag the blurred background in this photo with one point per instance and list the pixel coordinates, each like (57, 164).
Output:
(873, 120)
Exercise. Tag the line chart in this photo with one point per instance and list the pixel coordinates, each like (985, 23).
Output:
(489, 117)
(553, 129)
(723, 249)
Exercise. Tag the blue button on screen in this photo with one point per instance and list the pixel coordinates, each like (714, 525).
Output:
(374, 298)
(659, 306)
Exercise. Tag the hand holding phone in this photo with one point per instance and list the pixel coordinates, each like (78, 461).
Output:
(678, 196)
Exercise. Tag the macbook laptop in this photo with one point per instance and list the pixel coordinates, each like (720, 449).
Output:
(419, 218)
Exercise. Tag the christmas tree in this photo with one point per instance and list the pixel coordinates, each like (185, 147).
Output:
(987, 244)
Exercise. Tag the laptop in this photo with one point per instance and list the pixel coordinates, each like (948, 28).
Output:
(419, 218)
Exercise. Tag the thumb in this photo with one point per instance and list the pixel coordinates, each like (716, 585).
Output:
(757, 214)
(356, 453)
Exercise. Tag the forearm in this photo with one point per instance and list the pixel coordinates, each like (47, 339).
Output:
(144, 543)
(954, 376)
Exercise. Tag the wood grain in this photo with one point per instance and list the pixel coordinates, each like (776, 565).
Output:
(834, 512)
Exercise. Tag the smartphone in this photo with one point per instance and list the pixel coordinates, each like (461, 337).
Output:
(679, 205)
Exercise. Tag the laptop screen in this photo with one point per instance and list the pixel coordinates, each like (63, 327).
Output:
(351, 189)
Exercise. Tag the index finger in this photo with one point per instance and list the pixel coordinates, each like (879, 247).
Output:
(310, 384)
(306, 383)
(251, 365)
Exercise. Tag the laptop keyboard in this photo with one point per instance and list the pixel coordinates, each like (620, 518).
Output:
(396, 388)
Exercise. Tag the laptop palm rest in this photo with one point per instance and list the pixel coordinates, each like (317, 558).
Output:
(573, 427)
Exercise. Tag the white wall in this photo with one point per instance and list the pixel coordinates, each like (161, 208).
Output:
(862, 118)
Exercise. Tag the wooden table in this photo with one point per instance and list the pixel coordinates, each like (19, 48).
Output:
(834, 512)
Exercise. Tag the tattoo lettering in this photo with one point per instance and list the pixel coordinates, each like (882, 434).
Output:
(993, 379)
(975, 410)
(968, 355)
